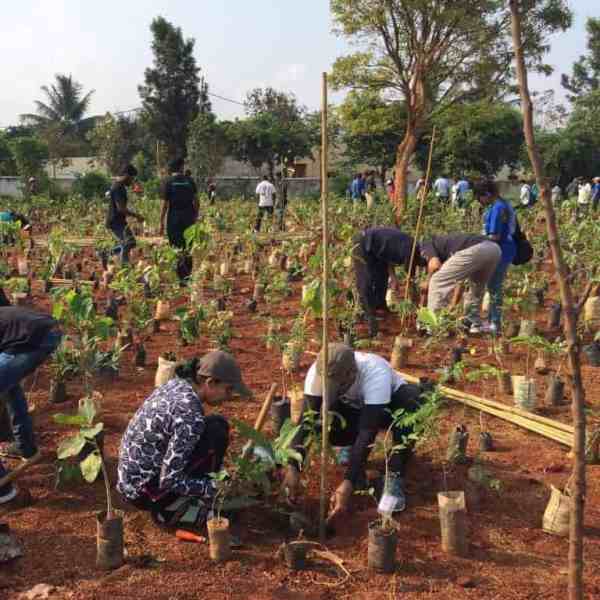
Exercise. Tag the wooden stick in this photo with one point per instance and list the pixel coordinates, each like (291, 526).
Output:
(423, 192)
(264, 411)
(324, 344)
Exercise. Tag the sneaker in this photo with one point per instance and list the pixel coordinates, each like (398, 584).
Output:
(394, 497)
(8, 492)
(15, 499)
(476, 329)
(344, 454)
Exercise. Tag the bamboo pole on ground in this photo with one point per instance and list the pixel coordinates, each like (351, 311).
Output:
(324, 344)
(570, 320)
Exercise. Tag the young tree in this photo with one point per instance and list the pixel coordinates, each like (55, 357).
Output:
(520, 12)
(116, 140)
(7, 160)
(428, 54)
(476, 138)
(29, 154)
(371, 129)
(585, 77)
(276, 129)
(173, 93)
(207, 146)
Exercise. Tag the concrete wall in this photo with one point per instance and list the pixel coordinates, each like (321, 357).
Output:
(12, 186)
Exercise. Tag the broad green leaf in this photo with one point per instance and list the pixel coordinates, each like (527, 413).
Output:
(251, 434)
(88, 409)
(90, 466)
(71, 446)
(63, 419)
(92, 432)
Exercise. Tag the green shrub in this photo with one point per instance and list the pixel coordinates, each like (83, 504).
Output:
(91, 185)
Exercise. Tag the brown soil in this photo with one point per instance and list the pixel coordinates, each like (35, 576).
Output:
(511, 557)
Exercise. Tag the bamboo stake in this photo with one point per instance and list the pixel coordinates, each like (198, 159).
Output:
(577, 507)
(423, 192)
(324, 345)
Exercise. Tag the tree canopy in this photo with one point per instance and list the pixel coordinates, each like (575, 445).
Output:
(173, 93)
(585, 77)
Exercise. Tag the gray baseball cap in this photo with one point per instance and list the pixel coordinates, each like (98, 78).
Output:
(223, 366)
(341, 369)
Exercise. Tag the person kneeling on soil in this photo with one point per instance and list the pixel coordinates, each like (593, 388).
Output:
(364, 390)
(27, 339)
(376, 251)
(10, 216)
(454, 258)
(170, 447)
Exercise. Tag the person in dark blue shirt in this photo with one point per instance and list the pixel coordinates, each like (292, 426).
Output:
(596, 193)
(500, 225)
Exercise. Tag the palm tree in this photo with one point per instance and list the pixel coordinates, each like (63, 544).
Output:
(64, 109)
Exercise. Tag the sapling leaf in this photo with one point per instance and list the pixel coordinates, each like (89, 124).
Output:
(63, 419)
(87, 409)
(92, 432)
(71, 446)
(90, 466)
(250, 433)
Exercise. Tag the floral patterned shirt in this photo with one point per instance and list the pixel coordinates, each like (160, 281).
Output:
(159, 442)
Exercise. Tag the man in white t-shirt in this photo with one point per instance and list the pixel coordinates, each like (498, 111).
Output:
(266, 193)
(364, 390)
(442, 188)
(525, 194)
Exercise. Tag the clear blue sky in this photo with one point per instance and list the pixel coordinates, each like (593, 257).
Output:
(239, 45)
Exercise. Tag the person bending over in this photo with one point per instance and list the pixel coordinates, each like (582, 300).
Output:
(170, 447)
(457, 257)
(27, 339)
(364, 390)
(376, 251)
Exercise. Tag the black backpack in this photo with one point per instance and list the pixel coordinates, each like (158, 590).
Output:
(524, 248)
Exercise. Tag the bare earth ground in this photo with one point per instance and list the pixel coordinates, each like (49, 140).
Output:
(511, 557)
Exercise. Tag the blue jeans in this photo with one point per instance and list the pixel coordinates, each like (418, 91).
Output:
(126, 242)
(13, 369)
(495, 287)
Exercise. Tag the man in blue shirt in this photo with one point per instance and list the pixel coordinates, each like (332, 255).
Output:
(358, 188)
(500, 224)
(462, 187)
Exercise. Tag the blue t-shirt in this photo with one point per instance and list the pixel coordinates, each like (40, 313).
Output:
(500, 220)
(354, 191)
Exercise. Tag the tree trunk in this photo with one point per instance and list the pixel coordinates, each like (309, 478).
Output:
(570, 321)
(404, 155)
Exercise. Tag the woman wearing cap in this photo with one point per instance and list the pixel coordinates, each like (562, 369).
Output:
(170, 446)
(364, 390)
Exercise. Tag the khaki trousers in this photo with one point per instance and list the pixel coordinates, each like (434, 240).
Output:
(477, 264)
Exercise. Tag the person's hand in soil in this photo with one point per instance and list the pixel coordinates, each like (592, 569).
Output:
(340, 502)
(290, 486)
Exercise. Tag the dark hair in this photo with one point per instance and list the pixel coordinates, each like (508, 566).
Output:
(266, 177)
(487, 188)
(188, 173)
(129, 171)
(188, 369)
(176, 165)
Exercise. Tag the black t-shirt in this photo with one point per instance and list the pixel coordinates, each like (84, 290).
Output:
(118, 195)
(444, 246)
(21, 329)
(388, 245)
(180, 193)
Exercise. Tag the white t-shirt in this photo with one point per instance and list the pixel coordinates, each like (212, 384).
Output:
(525, 195)
(585, 194)
(375, 382)
(442, 187)
(556, 194)
(265, 190)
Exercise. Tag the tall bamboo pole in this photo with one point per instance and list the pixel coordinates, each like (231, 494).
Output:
(423, 196)
(324, 343)
(570, 322)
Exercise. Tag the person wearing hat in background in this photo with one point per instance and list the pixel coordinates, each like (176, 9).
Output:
(376, 251)
(180, 210)
(116, 217)
(457, 257)
(170, 447)
(364, 390)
